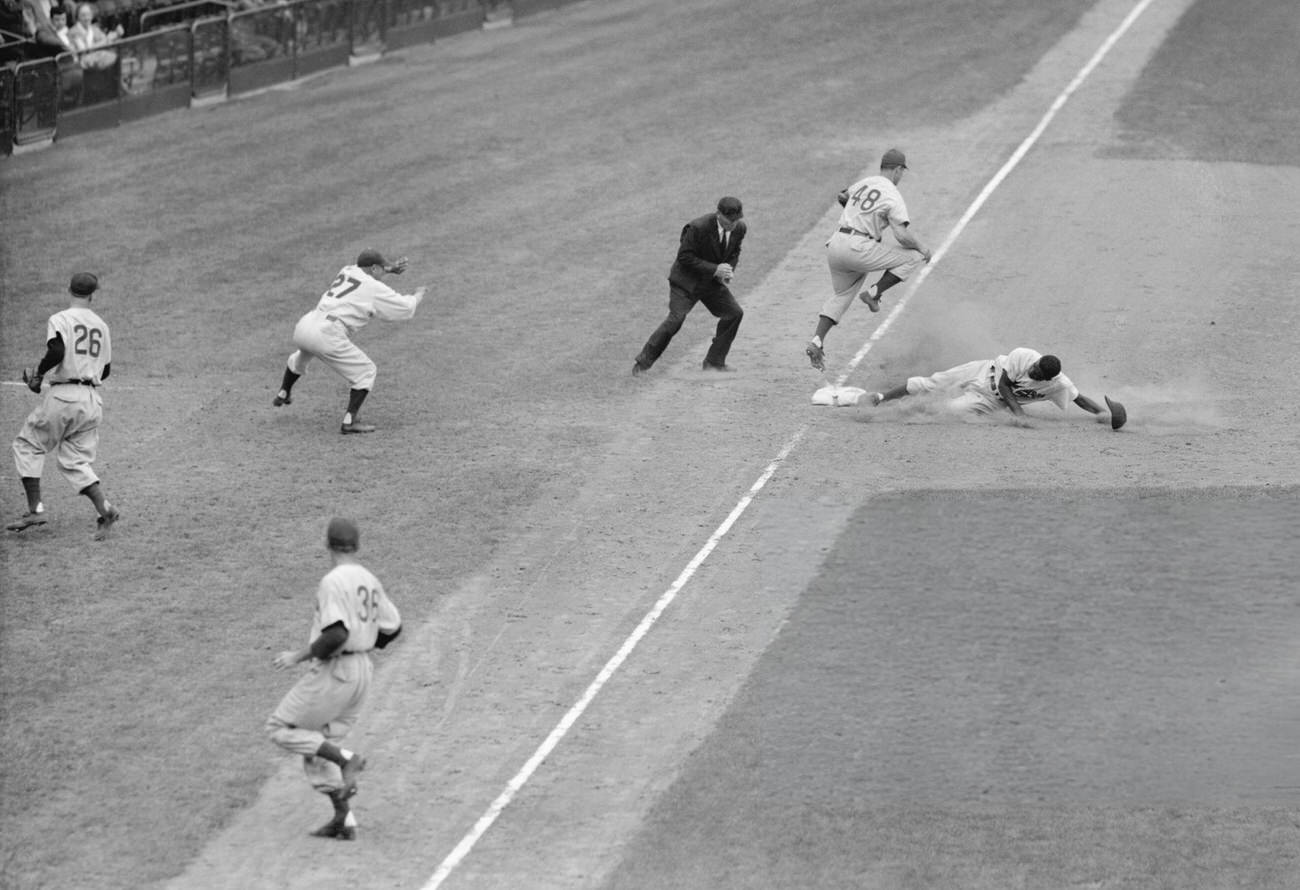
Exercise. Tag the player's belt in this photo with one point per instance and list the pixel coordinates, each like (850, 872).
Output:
(74, 383)
(848, 231)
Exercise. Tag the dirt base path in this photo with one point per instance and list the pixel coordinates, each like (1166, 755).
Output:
(1115, 286)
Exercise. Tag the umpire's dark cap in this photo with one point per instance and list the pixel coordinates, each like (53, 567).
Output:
(83, 284)
(730, 208)
(893, 158)
(370, 257)
(342, 536)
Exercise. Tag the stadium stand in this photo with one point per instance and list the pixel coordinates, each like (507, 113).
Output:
(181, 53)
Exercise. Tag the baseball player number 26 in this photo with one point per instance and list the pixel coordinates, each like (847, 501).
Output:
(88, 340)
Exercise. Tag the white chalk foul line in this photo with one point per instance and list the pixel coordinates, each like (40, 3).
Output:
(574, 713)
(991, 186)
(503, 800)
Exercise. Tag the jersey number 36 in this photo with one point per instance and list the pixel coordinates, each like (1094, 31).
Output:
(368, 609)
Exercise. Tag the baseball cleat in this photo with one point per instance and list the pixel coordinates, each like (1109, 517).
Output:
(355, 427)
(105, 523)
(872, 301)
(355, 764)
(877, 398)
(637, 370)
(337, 831)
(27, 520)
(816, 355)
(281, 400)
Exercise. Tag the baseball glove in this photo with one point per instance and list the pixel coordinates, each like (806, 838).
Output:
(397, 267)
(843, 197)
(32, 379)
(1118, 416)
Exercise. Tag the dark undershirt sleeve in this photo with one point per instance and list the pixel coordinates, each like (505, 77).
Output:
(330, 641)
(53, 355)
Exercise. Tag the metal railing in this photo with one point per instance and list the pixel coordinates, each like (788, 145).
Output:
(212, 57)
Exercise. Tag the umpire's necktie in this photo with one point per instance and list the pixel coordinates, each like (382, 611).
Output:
(725, 237)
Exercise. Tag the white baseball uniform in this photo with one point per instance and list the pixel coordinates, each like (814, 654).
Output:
(855, 249)
(977, 383)
(68, 417)
(346, 307)
(325, 702)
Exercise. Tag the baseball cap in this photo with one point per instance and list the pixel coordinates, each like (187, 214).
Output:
(342, 536)
(893, 158)
(370, 257)
(730, 208)
(83, 284)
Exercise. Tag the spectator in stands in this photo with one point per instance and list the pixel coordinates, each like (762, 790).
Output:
(59, 22)
(39, 27)
(87, 35)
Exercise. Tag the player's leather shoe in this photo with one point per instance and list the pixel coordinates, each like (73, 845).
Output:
(877, 398)
(106, 522)
(637, 370)
(873, 302)
(356, 763)
(27, 520)
(816, 355)
(336, 830)
(281, 400)
(355, 427)
(709, 366)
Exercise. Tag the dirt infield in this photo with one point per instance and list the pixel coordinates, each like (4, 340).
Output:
(527, 501)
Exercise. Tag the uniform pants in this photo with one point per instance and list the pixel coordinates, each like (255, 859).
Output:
(724, 308)
(321, 707)
(317, 336)
(970, 382)
(66, 423)
(852, 257)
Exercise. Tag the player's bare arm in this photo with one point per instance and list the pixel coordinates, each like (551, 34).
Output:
(904, 236)
(1008, 393)
(289, 657)
(331, 640)
(1089, 405)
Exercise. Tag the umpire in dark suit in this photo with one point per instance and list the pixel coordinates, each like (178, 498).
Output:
(706, 262)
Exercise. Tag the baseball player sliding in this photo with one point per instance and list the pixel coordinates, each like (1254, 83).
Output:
(352, 617)
(872, 206)
(354, 297)
(1010, 381)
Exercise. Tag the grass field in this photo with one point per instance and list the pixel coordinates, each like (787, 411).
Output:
(526, 503)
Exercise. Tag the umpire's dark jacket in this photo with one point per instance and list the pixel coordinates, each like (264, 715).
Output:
(700, 254)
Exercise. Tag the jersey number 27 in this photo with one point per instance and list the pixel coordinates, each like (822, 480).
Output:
(338, 290)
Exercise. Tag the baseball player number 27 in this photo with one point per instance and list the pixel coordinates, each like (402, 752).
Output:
(369, 608)
(335, 293)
